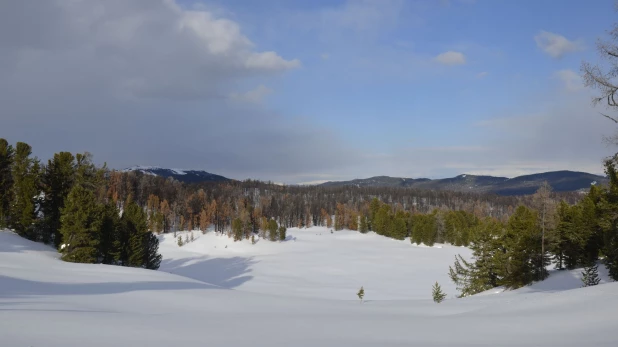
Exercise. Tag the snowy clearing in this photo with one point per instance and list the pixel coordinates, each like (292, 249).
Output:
(295, 293)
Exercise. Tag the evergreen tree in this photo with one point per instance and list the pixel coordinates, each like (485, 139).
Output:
(569, 238)
(180, 243)
(438, 295)
(399, 226)
(6, 181)
(486, 269)
(109, 230)
(522, 243)
(135, 223)
(25, 175)
(282, 233)
(364, 225)
(79, 227)
(237, 229)
(152, 258)
(590, 276)
(272, 230)
(608, 219)
(57, 181)
(590, 227)
(361, 294)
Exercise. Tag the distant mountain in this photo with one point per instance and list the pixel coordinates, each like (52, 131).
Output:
(187, 176)
(561, 181)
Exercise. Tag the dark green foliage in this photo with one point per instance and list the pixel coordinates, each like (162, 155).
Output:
(382, 220)
(134, 223)
(488, 265)
(437, 294)
(109, 230)
(590, 276)
(57, 180)
(363, 227)
(458, 227)
(282, 233)
(6, 181)
(25, 176)
(399, 225)
(608, 218)
(361, 294)
(180, 243)
(152, 258)
(237, 229)
(522, 244)
(272, 230)
(569, 238)
(79, 227)
(424, 229)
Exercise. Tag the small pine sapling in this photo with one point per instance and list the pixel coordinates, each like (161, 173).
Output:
(438, 295)
(253, 239)
(361, 294)
(186, 239)
(180, 243)
(192, 238)
(590, 276)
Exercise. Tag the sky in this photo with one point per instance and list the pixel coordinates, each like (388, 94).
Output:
(300, 91)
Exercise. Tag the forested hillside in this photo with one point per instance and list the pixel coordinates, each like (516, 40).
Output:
(98, 215)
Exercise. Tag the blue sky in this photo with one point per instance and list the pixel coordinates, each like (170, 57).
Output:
(342, 89)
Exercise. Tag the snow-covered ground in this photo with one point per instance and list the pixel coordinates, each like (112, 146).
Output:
(294, 293)
(313, 263)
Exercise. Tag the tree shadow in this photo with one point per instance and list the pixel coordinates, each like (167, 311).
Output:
(222, 272)
(15, 287)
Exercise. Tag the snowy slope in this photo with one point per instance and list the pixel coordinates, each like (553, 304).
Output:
(46, 302)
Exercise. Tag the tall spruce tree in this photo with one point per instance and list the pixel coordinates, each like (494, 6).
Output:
(57, 180)
(6, 181)
(486, 269)
(135, 226)
(569, 238)
(80, 227)
(524, 260)
(25, 176)
(109, 230)
(608, 219)
(272, 230)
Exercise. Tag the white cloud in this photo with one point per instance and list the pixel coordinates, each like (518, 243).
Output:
(481, 74)
(556, 45)
(256, 95)
(451, 58)
(571, 79)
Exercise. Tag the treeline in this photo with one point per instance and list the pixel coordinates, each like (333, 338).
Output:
(66, 203)
(98, 215)
(516, 253)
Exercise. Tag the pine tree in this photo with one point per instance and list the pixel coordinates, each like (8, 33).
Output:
(25, 175)
(399, 226)
(590, 276)
(253, 239)
(192, 237)
(361, 294)
(79, 227)
(109, 230)
(488, 265)
(6, 181)
(152, 258)
(282, 233)
(522, 250)
(237, 229)
(438, 295)
(608, 219)
(180, 243)
(569, 238)
(135, 223)
(272, 230)
(57, 180)
(364, 225)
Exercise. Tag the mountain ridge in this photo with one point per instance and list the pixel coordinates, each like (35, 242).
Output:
(560, 181)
